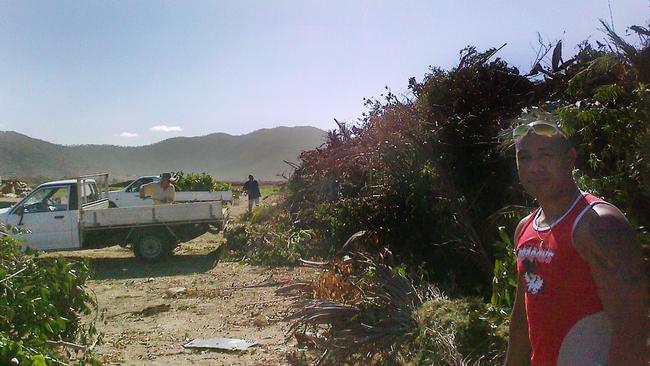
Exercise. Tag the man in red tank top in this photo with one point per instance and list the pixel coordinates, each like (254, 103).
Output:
(581, 290)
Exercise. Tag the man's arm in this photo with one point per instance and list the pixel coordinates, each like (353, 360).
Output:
(172, 195)
(143, 190)
(518, 342)
(608, 243)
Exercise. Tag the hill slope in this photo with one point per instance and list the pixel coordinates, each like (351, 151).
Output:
(227, 157)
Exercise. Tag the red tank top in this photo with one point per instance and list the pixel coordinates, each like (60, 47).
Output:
(560, 290)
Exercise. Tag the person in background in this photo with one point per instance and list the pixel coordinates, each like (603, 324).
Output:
(160, 192)
(582, 288)
(252, 189)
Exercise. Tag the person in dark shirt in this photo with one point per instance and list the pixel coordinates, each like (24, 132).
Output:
(252, 189)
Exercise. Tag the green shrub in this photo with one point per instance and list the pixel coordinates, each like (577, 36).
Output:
(338, 220)
(504, 282)
(236, 238)
(43, 301)
(607, 119)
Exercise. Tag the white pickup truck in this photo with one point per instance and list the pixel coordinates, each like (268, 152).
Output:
(71, 215)
(130, 195)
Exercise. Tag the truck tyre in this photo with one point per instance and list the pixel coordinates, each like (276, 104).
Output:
(151, 248)
(111, 204)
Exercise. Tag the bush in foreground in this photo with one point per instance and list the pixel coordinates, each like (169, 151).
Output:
(41, 306)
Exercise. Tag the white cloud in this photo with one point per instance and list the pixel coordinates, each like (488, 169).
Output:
(163, 128)
(128, 135)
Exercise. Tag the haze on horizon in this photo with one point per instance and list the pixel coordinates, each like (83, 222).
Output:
(134, 73)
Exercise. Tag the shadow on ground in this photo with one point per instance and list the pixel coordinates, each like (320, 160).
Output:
(131, 267)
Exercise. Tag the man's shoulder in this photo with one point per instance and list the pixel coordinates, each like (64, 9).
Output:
(598, 223)
(599, 214)
(521, 225)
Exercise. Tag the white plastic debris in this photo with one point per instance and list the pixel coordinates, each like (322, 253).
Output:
(228, 344)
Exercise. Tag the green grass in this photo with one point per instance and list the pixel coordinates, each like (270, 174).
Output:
(183, 307)
(270, 190)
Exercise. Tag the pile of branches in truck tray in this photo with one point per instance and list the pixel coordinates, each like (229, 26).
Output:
(14, 187)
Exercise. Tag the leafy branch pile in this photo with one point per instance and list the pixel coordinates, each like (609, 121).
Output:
(199, 182)
(41, 304)
(433, 174)
(431, 177)
(270, 238)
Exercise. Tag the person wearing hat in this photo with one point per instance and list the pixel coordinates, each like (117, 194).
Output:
(160, 192)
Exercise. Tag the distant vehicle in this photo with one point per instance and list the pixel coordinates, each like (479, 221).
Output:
(130, 195)
(71, 214)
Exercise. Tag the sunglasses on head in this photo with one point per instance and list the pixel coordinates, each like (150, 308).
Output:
(541, 128)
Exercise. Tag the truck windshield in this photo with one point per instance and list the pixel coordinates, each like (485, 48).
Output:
(135, 186)
(48, 199)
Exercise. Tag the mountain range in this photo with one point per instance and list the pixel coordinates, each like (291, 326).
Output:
(226, 157)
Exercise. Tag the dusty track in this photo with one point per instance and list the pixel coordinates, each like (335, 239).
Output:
(224, 300)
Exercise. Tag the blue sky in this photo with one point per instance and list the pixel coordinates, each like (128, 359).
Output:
(137, 72)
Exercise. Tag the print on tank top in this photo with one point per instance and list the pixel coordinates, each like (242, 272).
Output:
(532, 254)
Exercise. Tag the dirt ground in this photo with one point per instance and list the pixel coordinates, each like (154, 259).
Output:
(223, 299)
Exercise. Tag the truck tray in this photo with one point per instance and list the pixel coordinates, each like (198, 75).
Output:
(194, 212)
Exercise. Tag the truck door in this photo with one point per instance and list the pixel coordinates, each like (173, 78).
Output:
(47, 219)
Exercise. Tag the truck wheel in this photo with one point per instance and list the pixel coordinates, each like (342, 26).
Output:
(111, 204)
(151, 248)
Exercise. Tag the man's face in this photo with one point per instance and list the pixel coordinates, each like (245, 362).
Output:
(165, 183)
(545, 165)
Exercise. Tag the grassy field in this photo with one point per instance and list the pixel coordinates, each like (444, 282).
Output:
(269, 190)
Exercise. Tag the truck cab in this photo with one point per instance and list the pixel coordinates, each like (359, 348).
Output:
(48, 217)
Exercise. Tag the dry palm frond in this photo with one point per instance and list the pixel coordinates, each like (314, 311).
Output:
(638, 58)
(627, 49)
(361, 309)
